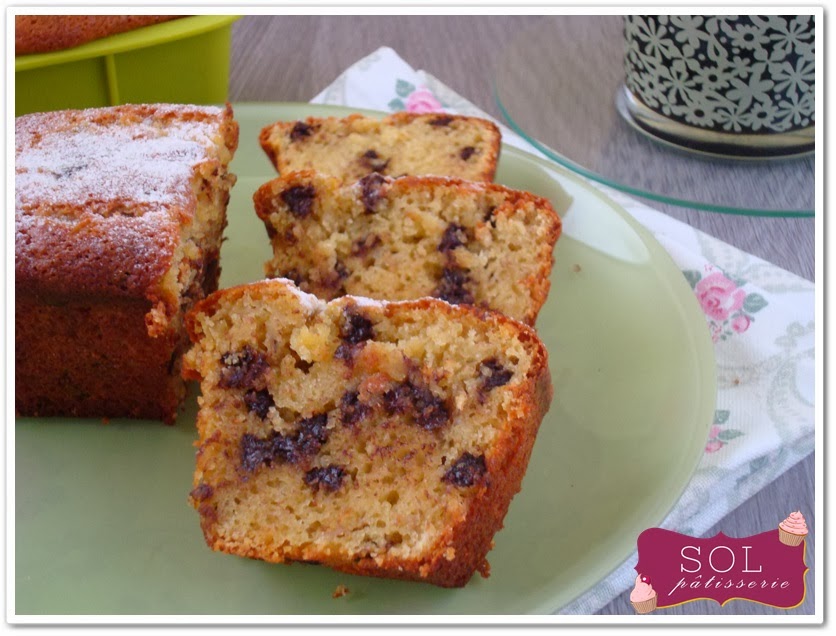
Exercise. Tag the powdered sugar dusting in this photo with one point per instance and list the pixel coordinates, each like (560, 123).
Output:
(102, 195)
(362, 301)
(111, 161)
(312, 304)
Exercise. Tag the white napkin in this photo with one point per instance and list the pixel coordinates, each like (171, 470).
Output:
(760, 318)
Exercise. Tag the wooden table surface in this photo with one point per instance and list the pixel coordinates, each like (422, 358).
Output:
(292, 58)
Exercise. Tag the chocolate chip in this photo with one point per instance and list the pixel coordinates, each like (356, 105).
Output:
(334, 278)
(398, 400)
(452, 288)
(305, 441)
(208, 513)
(373, 161)
(292, 274)
(428, 410)
(289, 236)
(363, 246)
(371, 189)
(355, 330)
(454, 236)
(202, 492)
(311, 435)
(444, 120)
(341, 270)
(255, 451)
(345, 352)
(329, 477)
(299, 200)
(467, 152)
(258, 402)
(489, 218)
(241, 368)
(431, 412)
(300, 130)
(352, 410)
(466, 470)
(355, 327)
(493, 374)
(282, 448)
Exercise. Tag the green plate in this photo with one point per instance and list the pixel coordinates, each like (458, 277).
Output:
(102, 525)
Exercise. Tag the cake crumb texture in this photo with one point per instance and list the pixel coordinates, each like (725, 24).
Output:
(353, 147)
(384, 439)
(410, 237)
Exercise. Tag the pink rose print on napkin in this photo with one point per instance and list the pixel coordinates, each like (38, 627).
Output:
(720, 434)
(713, 444)
(417, 100)
(727, 306)
(422, 101)
(741, 323)
(719, 296)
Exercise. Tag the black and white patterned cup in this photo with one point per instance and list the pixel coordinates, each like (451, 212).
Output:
(729, 85)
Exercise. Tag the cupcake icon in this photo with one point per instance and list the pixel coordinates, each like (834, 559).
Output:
(793, 530)
(643, 597)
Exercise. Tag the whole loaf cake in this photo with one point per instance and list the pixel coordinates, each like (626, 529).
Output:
(119, 215)
(376, 438)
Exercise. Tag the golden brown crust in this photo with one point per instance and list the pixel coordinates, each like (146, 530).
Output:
(91, 245)
(462, 548)
(93, 259)
(105, 211)
(72, 244)
(44, 33)
(514, 197)
(77, 358)
(262, 197)
(270, 150)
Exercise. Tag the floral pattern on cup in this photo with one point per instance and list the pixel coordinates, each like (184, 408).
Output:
(415, 100)
(720, 435)
(738, 74)
(727, 306)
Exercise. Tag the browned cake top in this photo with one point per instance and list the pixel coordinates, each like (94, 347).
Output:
(101, 194)
(43, 33)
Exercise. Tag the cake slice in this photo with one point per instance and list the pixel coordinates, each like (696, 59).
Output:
(376, 438)
(406, 238)
(396, 145)
(119, 215)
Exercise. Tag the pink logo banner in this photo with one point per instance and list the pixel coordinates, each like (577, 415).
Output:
(761, 568)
